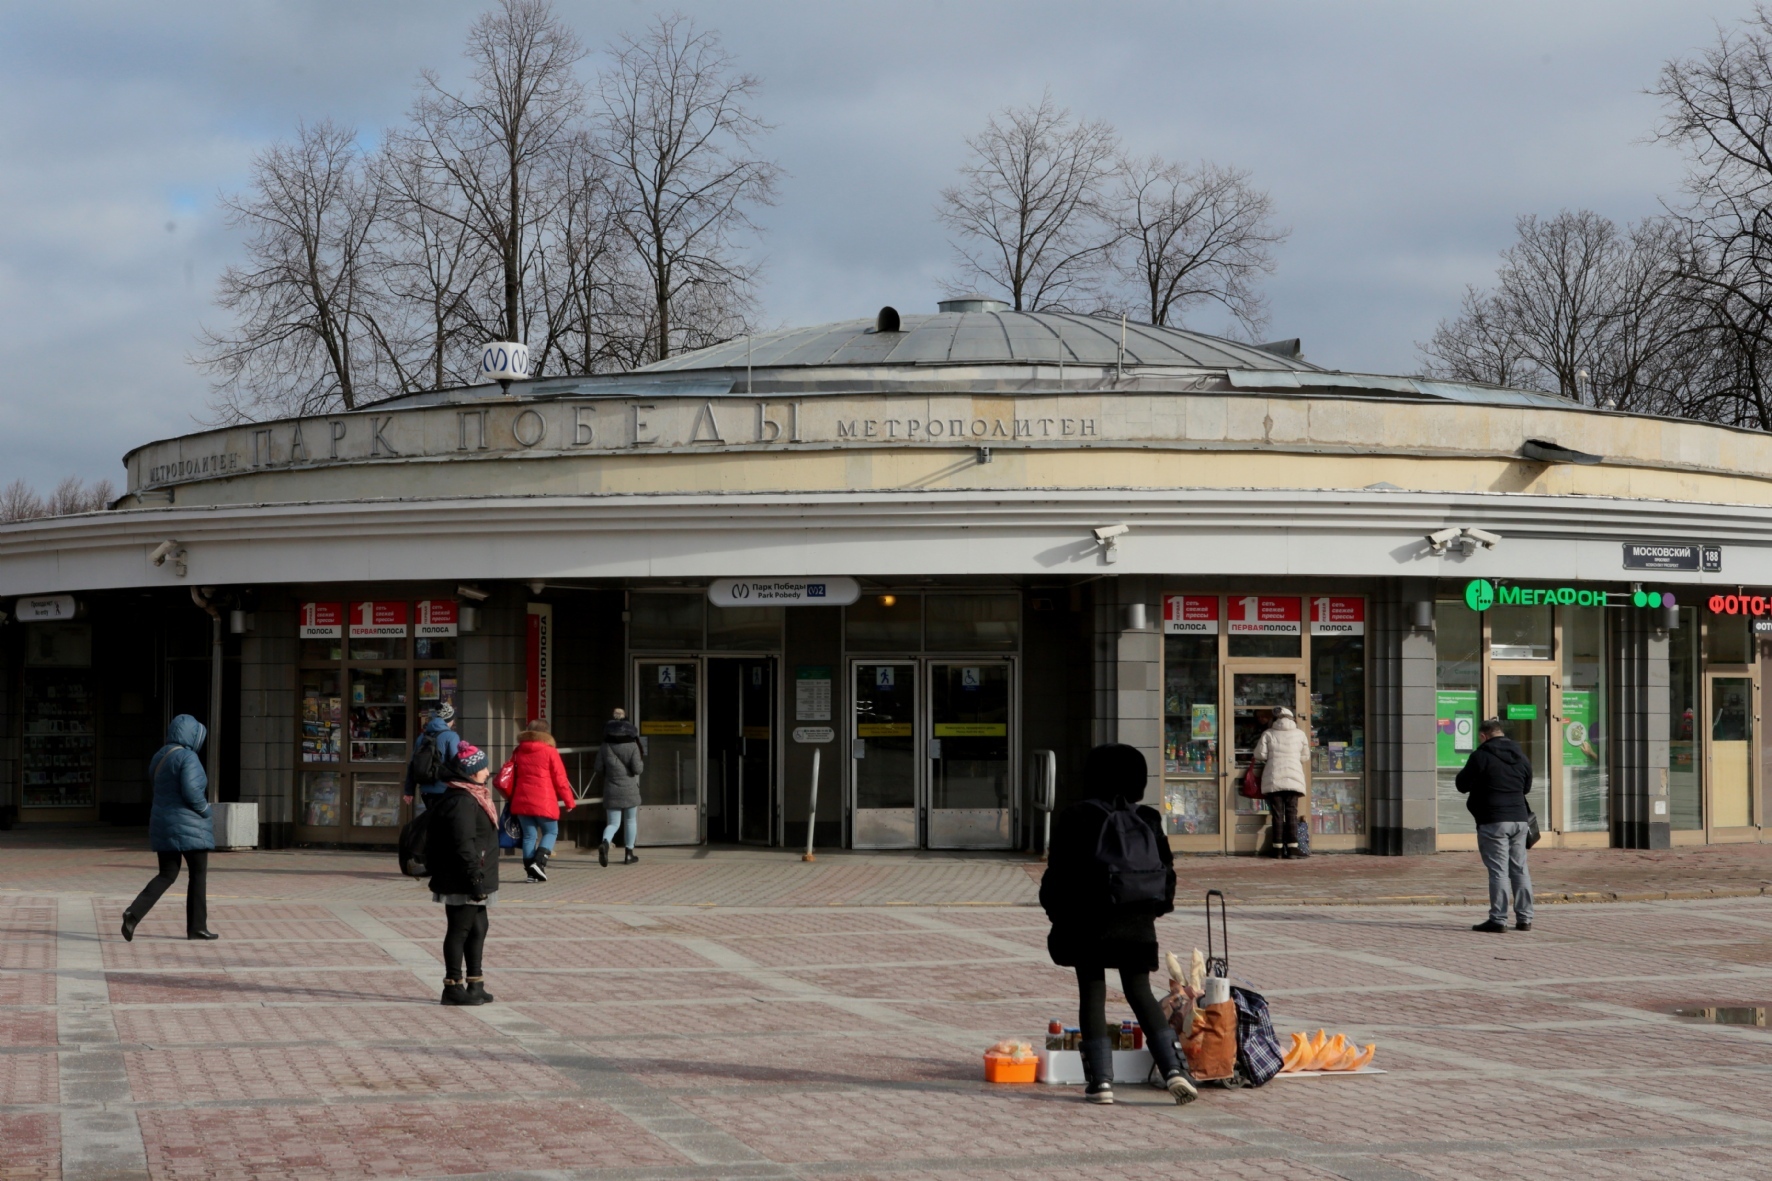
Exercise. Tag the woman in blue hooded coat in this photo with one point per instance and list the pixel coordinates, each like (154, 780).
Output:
(179, 827)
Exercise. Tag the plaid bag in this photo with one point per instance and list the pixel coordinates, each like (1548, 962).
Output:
(1258, 1050)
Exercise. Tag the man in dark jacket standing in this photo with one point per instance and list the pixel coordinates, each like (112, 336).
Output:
(1497, 779)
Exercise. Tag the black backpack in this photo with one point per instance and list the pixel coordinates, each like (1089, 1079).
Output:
(1127, 853)
(427, 761)
(412, 845)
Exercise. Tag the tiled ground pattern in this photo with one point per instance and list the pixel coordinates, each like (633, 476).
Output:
(636, 1041)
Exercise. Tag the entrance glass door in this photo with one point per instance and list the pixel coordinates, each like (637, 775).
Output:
(740, 749)
(1256, 695)
(1523, 703)
(883, 755)
(1729, 734)
(970, 775)
(667, 703)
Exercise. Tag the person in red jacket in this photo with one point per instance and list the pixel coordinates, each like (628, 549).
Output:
(535, 781)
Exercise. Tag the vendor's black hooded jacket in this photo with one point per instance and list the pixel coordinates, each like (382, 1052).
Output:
(1087, 930)
(1497, 779)
(461, 845)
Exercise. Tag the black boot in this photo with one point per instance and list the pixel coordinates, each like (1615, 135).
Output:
(603, 854)
(1098, 1069)
(533, 869)
(477, 994)
(541, 859)
(455, 994)
(628, 856)
(129, 922)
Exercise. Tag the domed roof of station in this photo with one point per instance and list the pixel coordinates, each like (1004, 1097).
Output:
(977, 331)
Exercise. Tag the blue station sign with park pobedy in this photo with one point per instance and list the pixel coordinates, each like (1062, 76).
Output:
(1480, 594)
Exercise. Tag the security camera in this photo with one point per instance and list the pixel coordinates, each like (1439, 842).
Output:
(474, 593)
(1439, 540)
(1481, 537)
(536, 587)
(1109, 532)
(163, 551)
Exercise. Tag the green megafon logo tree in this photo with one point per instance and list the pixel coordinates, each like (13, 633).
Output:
(1479, 594)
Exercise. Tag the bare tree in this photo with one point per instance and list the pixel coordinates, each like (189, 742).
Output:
(305, 302)
(1189, 236)
(1479, 344)
(18, 502)
(1029, 209)
(679, 145)
(438, 274)
(494, 149)
(1719, 109)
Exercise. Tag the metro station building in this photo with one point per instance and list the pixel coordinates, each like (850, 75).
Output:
(945, 552)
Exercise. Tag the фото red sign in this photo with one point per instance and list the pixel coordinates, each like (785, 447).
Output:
(1190, 615)
(1264, 615)
(436, 617)
(322, 621)
(378, 619)
(1337, 616)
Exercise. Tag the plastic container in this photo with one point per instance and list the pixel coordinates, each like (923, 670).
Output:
(1000, 1068)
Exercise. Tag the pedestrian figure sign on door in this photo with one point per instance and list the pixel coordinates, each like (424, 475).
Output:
(667, 676)
(884, 677)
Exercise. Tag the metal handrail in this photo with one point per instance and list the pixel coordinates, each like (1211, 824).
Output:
(1043, 769)
(584, 784)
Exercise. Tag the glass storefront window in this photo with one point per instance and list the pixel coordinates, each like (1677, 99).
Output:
(322, 650)
(377, 801)
(1190, 734)
(1338, 734)
(665, 621)
(320, 798)
(744, 629)
(322, 716)
(1726, 640)
(1731, 751)
(972, 623)
(363, 700)
(1685, 806)
(884, 623)
(1519, 633)
(1458, 682)
(1586, 801)
(668, 715)
(58, 754)
(378, 715)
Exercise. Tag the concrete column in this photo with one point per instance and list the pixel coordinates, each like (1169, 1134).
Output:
(1402, 810)
(1128, 665)
(1637, 717)
(270, 722)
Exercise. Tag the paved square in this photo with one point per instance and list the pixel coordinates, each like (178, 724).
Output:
(773, 1019)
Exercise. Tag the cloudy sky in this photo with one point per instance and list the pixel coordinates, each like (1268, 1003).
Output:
(1399, 141)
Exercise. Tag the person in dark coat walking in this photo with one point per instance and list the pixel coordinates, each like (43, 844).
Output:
(1091, 934)
(1496, 780)
(179, 826)
(461, 850)
(620, 763)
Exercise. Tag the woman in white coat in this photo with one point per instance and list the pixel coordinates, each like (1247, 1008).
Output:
(1285, 753)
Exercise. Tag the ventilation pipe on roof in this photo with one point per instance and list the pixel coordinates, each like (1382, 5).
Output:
(972, 303)
(1291, 350)
(887, 320)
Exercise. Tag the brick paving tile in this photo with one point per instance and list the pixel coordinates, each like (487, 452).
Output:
(1001, 1019)
(815, 950)
(30, 1147)
(792, 1060)
(516, 925)
(164, 1025)
(1261, 1167)
(393, 1140)
(627, 1019)
(144, 955)
(29, 1078)
(26, 988)
(1662, 1163)
(650, 954)
(257, 987)
(968, 982)
(25, 1027)
(684, 987)
(197, 1074)
(792, 922)
(908, 1124)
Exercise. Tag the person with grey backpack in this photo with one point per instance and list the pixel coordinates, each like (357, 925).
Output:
(1108, 876)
